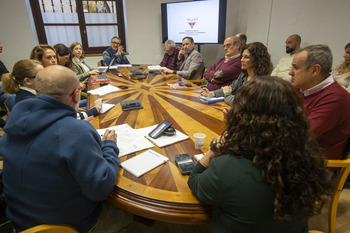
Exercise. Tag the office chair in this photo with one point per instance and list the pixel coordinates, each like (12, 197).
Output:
(48, 228)
(344, 166)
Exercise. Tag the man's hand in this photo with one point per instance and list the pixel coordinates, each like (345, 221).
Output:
(110, 135)
(89, 119)
(218, 74)
(98, 104)
(168, 71)
(120, 50)
(206, 93)
(181, 53)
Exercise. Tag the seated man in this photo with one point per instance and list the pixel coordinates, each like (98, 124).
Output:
(327, 104)
(285, 64)
(56, 168)
(227, 69)
(170, 56)
(242, 40)
(115, 53)
(193, 64)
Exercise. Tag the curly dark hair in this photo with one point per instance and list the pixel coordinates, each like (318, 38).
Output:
(260, 57)
(63, 50)
(268, 126)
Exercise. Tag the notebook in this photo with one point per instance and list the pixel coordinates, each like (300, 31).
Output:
(144, 162)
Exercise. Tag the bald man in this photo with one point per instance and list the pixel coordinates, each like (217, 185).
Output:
(242, 40)
(228, 68)
(56, 168)
(285, 63)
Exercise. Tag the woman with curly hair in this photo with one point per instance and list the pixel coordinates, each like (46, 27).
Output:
(255, 61)
(266, 173)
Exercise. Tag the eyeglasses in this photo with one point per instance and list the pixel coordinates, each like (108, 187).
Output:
(115, 43)
(227, 45)
(74, 91)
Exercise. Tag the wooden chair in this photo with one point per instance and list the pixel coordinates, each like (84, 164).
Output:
(100, 63)
(48, 228)
(344, 166)
(200, 82)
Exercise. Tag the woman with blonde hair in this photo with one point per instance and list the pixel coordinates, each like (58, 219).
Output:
(79, 66)
(22, 79)
(44, 53)
(341, 73)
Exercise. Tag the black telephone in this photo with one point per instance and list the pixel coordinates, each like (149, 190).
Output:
(159, 130)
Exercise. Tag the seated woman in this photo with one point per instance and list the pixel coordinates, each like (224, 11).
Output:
(266, 172)
(64, 55)
(44, 53)
(255, 61)
(79, 66)
(341, 73)
(22, 79)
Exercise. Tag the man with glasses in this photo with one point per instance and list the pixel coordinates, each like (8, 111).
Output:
(57, 170)
(171, 54)
(227, 69)
(190, 61)
(115, 53)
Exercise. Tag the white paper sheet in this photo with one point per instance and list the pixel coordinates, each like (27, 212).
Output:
(128, 139)
(104, 90)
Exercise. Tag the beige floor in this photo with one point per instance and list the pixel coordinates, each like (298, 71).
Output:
(319, 222)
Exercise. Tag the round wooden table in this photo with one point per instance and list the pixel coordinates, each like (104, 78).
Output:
(161, 194)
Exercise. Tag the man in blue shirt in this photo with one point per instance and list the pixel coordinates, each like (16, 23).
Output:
(115, 53)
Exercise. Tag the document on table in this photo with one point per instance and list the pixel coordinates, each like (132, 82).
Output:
(106, 107)
(144, 162)
(104, 90)
(162, 140)
(128, 140)
(156, 67)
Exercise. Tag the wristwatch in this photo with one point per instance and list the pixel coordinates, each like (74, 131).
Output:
(213, 146)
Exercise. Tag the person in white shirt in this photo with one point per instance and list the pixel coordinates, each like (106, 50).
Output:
(285, 64)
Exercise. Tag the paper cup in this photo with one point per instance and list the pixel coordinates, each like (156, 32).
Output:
(199, 139)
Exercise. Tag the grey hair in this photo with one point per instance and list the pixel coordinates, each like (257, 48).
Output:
(170, 42)
(236, 40)
(319, 54)
(116, 37)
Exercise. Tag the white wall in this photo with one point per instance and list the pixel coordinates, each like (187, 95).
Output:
(268, 21)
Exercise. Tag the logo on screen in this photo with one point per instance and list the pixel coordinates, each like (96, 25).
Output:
(192, 22)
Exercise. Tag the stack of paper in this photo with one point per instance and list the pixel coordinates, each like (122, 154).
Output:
(144, 162)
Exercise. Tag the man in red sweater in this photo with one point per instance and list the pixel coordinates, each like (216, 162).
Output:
(327, 104)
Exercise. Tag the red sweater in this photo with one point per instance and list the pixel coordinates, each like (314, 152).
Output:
(329, 116)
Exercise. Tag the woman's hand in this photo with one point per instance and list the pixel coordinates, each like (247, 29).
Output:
(92, 72)
(206, 93)
(226, 89)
